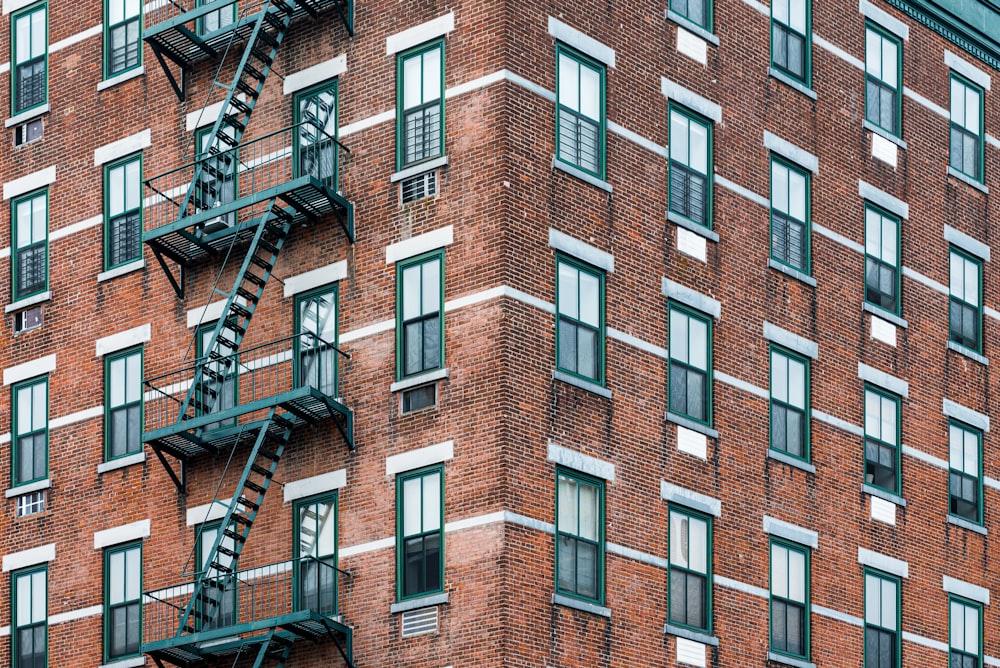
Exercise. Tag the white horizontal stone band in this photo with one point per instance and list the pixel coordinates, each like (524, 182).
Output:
(790, 151)
(793, 342)
(33, 181)
(685, 497)
(130, 337)
(317, 484)
(966, 243)
(419, 34)
(883, 380)
(422, 243)
(883, 562)
(122, 147)
(316, 278)
(883, 199)
(966, 69)
(208, 512)
(970, 417)
(691, 100)
(32, 557)
(965, 589)
(36, 367)
(578, 461)
(692, 298)
(884, 19)
(316, 74)
(121, 534)
(792, 532)
(419, 458)
(581, 42)
(581, 250)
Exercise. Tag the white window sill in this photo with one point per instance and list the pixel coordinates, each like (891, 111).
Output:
(131, 662)
(419, 168)
(26, 116)
(122, 78)
(576, 604)
(21, 490)
(966, 524)
(789, 660)
(789, 81)
(884, 495)
(582, 175)
(792, 271)
(791, 460)
(885, 315)
(692, 27)
(416, 603)
(885, 134)
(416, 381)
(971, 354)
(700, 230)
(694, 636)
(582, 383)
(121, 271)
(965, 178)
(693, 425)
(121, 462)
(28, 301)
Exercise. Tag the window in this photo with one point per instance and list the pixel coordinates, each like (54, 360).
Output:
(122, 601)
(30, 46)
(791, 42)
(964, 311)
(690, 364)
(789, 403)
(123, 420)
(316, 343)
(966, 128)
(123, 212)
(420, 314)
(123, 23)
(31, 241)
(580, 320)
(215, 20)
(789, 215)
(31, 431)
(31, 624)
(881, 621)
(882, 439)
(213, 395)
(690, 167)
(965, 477)
(580, 115)
(580, 536)
(789, 599)
(216, 605)
(316, 129)
(316, 555)
(420, 104)
(883, 74)
(965, 621)
(690, 569)
(882, 260)
(698, 12)
(217, 179)
(420, 546)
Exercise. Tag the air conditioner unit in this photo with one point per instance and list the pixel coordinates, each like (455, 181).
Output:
(218, 223)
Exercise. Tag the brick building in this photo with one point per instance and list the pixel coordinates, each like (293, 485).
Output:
(642, 334)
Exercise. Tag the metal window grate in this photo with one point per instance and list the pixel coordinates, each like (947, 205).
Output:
(418, 187)
(30, 86)
(31, 269)
(419, 622)
(124, 239)
(29, 504)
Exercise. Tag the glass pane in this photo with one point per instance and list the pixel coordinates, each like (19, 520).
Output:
(23, 600)
(411, 83)
(699, 344)
(116, 191)
(970, 460)
(779, 376)
(699, 148)
(889, 604)
(432, 502)
(131, 8)
(779, 571)
(873, 594)
(431, 287)
(116, 588)
(971, 283)
(586, 361)
(698, 546)
(411, 506)
(797, 195)
(972, 111)
(586, 569)
(589, 512)
(133, 378)
(567, 563)
(132, 185)
(23, 214)
(957, 625)
(797, 11)
(569, 82)
(326, 540)
(888, 420)
(678, 336)
(779, 8)
(889, 234)
(38, 597)
(796, 383)
(568, 291)
(779, 187)
(971, 629)
(957, 102)
(23, 410)
(116, 373)
(39, 405)
(955, 447)
(590, 298)
(38, 218)
(22, 28)
(889, 66)
(411, 292)
(567, 502)
(873, 236)
(590, 93)
(432, 75)
(872, 53)
(37, 33)
(679, 539)
(679, 137)
(956, 275)
(873, 419)
(796, 576)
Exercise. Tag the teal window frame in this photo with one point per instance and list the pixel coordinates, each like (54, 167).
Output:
(779, 602)
(431, 130)
(784, 214)
(33, 58)
(964, 311)
(698, 12)
(685, 172)
(880, 631)
(232, 376)
(23, 251)
(212, 190)
(883, 412)
(966, 137)
(123, 219)
(569, 110)
(785, 27)
(685, 365)
(33, 624)
(427, 532)
(316, 155)
(129, 19)
(133, 406)
(224, 617)
(782, 403)
(683, 569)
(883, 239)
(968, 484)
(426, 314)
(128, 599)
(958, 632)
(324, 598)
(324, 376)
(569, 534)
(28, 390)
(211, 22)
(570, 319)
(883, 79)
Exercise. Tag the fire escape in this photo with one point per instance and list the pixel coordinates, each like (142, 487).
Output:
(238, 201)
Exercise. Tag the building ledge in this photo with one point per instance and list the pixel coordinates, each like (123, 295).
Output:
(28, 301)
(791, 271)
(21, 490)
(965, 178)
(121, 462)
(884, 495)
(582, 175)
(416, 603)
(884, 134)
(121, 271)
(791, 460)
(692, 27)
(700, 230)
(583, 384)
(789, 81)
(695, 636)
(576, 604)
(966, 524)
(122, 78)
(693, 425)
(416, 381)
(885, 315)
(131, 662)
(419, 168)
(789, 660)
(26, 116)
(971, 354)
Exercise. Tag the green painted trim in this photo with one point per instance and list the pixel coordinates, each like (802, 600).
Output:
(209, 9)
(401, 58)
(16, 295)
(108, 359)
(297, 342)
(601, 276)
(899, 436)
(709, 126)
(601, 69)
(795, 547)
(775, 349)
(981, 144)
(400, 538)
(106, 620)
(807, 81)
(15, 627)
(15, 435)
(327, 86)
(214, 525)
(582, 478)
(968, 25)
(952, 250)
(968, 604)
(220, 417)
(326, 497)
(898, 633)
(684, 510)
(708, 25)
(807, 235)
(707, 320)
(899, 251)
(41, 6)
(401, 266)
(121, 164)
(898, 111)
(979, 474)
(106, 59)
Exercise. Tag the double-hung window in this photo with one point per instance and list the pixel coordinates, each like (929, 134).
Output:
(316, 340)
(965, 477)
(217, 603)
(580, 125)
(316, 132)
(882, 637)
(690, 167)
(420, 520)
(30, 46)
(122, 601)
(579, 536)
(122, 43)
(966, 128)
(791, 41)
(123, 421)
(31, 619)
(883, 77)
(789, 403)
(420, 104)
(690, 569)
(580, 316)
(965, 621)
(964, 305)
(882, 439)
(790, 215)
(882, 260)
(420, 314)
(698, 12)
(690, 382)
(31, 244)
(217, 179)
(31, 430)
(216, 395)
(789, 599)
(316, 555)
(123, 212)
(216, 19)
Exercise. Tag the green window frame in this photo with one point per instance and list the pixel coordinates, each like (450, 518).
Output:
(791, 39)
(29, 58)
(580, 536)
(690, 375)
(122, 601)
(965, 311)
(698, 12)
(221, 602)
(229, 390)
(965, 633)
(316, 350)
(316, 127)
(123, 212)
(124, 405)
(966, 141)
(215, 20)
(789, 599)
(218, 183)
(690, 566)
(965, 474)
(30, 231)
(883, 640)
(420, 115)
(419, 314)
(882, 439)
(30, 416)
(315, 573)
(791, 227)
(420, 532)
(790, 405)
(580, 328)
(581, 124)
(883, 282)
(122, 36)
(883, 79)
(30, 635)
(690, 190)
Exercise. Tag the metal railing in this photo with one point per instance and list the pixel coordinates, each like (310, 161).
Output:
(161, 11)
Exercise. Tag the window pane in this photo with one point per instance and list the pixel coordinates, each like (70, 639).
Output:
(132, 187)
(679, 539)
(971, 629)
(780, 10)
(431, 287)
(39, 405)
(678, 336)
(38, 597)
(797, 195)
(588, 512)
(872, 53)
(23, 600)
(699, 344)
(590, 297)
(590, 93)
(699, 148)
(889, 67)
(133, 376)
(116, 373)
(411, 292)
(432, 75)
(37, 33)
(873, 594)
(679, 137)
(797, 11)
(116, 588)
(779, 571)
(567, 501)
(971, 283)
(888, 425)
(957, 625)
(568, 291)
(116, 191)
(779, 187)
(971, 111)
(796, 383)
(698, 545)
(889, 604)
(411, 83)
(432, 501)
(970, 460)
(569, 82)
(22, 28)
(779, 376)
(411, 506)
(796, 576)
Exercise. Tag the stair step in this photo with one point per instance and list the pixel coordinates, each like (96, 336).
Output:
(283, 421)
(215, 565)
(260, 470)
(247, 295)
(271, 40)
(254, 72)
(232, 323)
(223, 342)
(283, 6)
(252, 505)
(240, 310)
(263, 56)
(228, 552)
(226, 139)
(269, 247)
(255, 279)
(273, 456)
(232, 535)
(240, 518)
(255, 487)
(235, 122)
(240, 105)
(247, 89)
